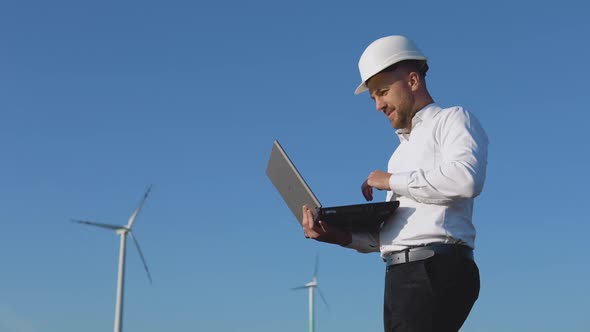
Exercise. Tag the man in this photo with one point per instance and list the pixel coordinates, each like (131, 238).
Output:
(437, 170)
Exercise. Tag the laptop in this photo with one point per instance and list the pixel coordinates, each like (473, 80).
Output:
(296, 193)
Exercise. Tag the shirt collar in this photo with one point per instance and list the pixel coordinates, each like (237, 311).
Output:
(426, 113)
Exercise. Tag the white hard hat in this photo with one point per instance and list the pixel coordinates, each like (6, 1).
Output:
(383, 53)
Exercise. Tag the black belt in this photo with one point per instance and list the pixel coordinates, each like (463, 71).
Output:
(424, 252)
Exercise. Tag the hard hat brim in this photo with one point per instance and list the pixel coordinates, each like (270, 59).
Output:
(361, 88)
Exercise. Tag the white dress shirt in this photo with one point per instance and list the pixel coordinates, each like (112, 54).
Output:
(437, 171)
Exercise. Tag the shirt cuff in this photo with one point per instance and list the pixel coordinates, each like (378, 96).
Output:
(398, 183)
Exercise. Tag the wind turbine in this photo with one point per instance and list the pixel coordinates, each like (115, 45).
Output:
(311, 286)
(123, 231)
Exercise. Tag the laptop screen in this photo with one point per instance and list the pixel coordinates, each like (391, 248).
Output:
(290, 184)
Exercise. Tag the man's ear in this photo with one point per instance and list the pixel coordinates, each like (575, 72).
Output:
(414, 81)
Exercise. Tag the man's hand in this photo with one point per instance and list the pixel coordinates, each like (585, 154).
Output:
(322, 231)
(377, 179)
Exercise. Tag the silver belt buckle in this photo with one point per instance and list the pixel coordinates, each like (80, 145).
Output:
(409, 255)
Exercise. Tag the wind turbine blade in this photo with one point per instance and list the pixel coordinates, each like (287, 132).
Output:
(323, 298)
(300, 287)
(97, 224)
(136, 212)
(141, 255)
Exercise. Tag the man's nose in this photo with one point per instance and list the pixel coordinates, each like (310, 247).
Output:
(380, 105)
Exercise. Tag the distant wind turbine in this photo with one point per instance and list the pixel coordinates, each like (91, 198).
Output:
(123, 231)
(311, 286)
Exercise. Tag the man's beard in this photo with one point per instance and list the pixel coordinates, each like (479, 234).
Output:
(404, 113)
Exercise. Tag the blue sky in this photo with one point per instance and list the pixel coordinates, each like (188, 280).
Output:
(100, 100)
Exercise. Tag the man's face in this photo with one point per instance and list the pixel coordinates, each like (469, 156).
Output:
(393, 96)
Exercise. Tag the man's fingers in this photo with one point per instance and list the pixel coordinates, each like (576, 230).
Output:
(309, 217)
(304, 213)
(311, 222)
(367, 190)
(307, 221)
(368, 193)
(310, 229)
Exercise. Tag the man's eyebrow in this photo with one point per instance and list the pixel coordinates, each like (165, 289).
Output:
(372, 94)
(377, 90)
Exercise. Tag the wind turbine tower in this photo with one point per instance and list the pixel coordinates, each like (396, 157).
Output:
(311, 286)
(122, 231)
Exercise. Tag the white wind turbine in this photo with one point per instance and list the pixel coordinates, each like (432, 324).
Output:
(311, 286)
(123, 231)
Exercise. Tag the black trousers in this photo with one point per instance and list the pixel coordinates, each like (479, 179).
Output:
(431, 295)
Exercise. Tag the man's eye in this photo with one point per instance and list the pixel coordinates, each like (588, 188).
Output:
(383, 92)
